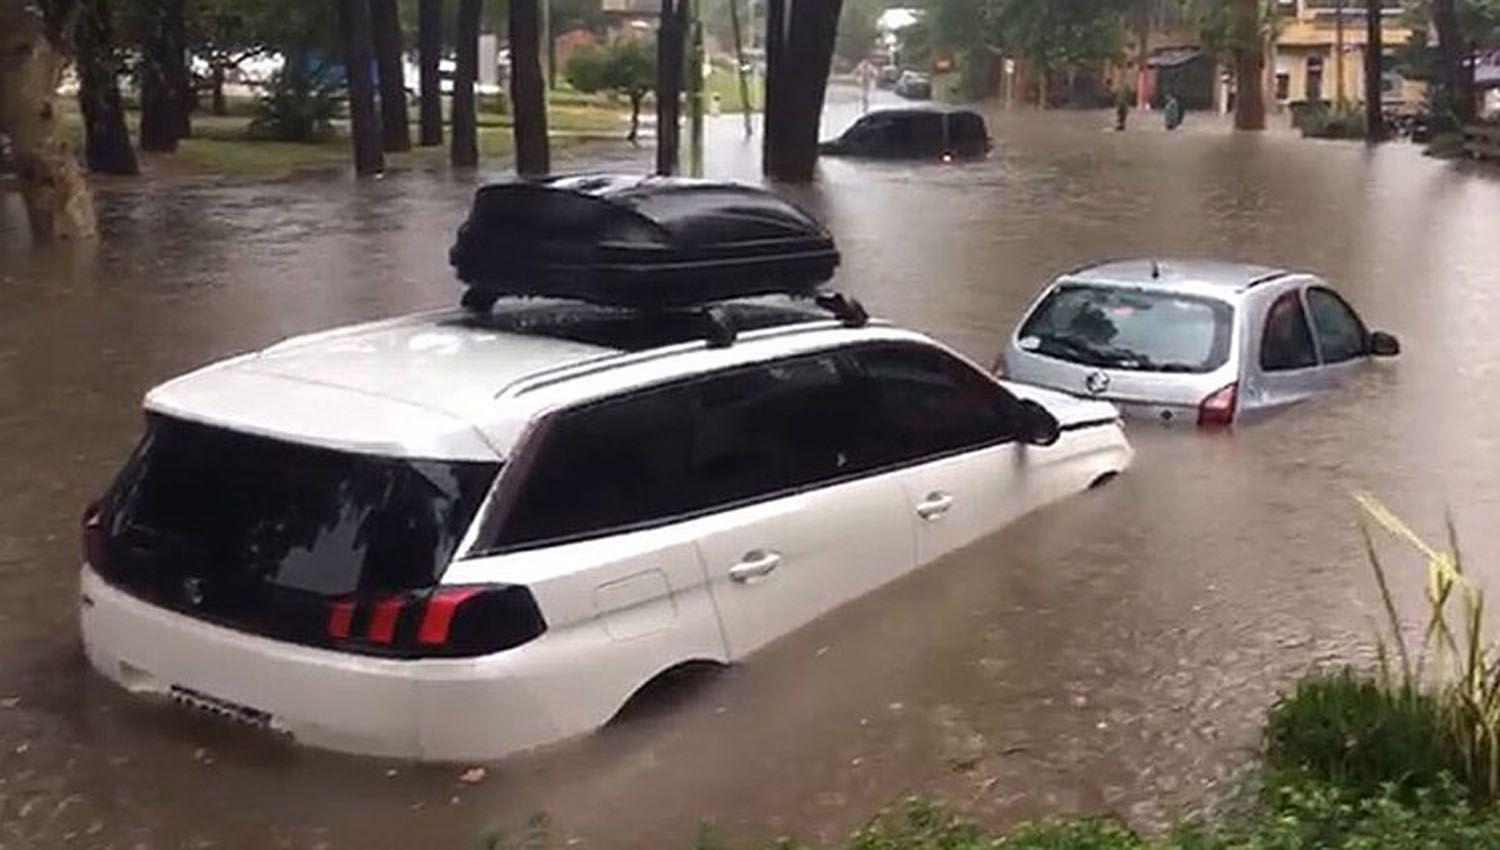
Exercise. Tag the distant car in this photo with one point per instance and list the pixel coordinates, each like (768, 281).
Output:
(888, 77)
(914, 86)
(1193, 341)
(454, 535)
(913, 134)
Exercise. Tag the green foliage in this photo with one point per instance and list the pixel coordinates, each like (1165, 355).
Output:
(1058, 34)
(858, 29)
(626, 66)
(1355, 732)
(918, 823)
(295, 108)
(1072, 835)
(1226, 26)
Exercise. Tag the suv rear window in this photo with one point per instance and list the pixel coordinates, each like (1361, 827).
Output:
(1118, 328)
(239, 513)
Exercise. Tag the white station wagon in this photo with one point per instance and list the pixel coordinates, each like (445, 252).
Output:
(455, 535)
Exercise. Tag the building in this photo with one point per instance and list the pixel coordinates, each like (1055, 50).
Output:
(1313, 61)
(1304, 65)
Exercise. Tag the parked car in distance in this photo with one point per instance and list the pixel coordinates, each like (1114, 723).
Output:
(914, 86)
(888, 77)
(1192, 341)
(454, 535)
(923, 133)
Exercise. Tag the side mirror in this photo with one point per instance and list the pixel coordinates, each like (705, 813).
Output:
(1038, 426)
(1383, 344)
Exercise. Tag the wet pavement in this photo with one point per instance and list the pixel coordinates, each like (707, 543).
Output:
(1110, 654)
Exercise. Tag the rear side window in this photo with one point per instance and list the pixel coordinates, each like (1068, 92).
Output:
(1341, 335)
(609, 465)
(966, 128)
(1287, 343)
(679, 450)
(931, 404)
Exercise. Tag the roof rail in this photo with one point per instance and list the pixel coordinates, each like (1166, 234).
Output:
(1266, 278)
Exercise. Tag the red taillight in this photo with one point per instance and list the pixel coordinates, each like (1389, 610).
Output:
(1218, 409)
(93, 536)
(444, 621)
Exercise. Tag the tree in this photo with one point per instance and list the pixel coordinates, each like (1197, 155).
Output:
(799, 55)
(1240, 29)
(464, 149)
(354, 25)
(34, 39)
(107, 148)
(858, 30)
(1056, 36)
(671, 47)
(625, 66)
(528, 91)
(395, 130)
(166, 85)
(429, 53)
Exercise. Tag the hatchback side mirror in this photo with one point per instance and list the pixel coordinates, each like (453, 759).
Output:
(1383, 344)
(1038, 426)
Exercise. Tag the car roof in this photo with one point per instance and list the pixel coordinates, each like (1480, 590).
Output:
(457, 385)
(1211, 277)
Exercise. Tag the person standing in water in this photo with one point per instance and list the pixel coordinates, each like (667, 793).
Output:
(1122, 110)
(1173, 112)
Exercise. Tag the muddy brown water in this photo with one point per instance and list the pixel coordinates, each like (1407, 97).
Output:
(1110, 654)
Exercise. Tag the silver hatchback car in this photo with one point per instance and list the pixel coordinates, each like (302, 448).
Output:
(1193, 341)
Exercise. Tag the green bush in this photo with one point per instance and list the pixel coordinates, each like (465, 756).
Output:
(1337, 122)
(1358, 733)
(295, 108)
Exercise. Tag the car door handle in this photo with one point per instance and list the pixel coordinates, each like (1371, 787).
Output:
(935, 506)
(755, 565)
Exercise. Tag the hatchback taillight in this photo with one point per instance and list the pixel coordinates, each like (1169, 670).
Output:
(93, 536)
(457, 621)
(1218, 409)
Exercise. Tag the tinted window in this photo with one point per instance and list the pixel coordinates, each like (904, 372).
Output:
(931, 404)
(1130, 329)
(609, 465)
(666, 453)
(235, 509)
(776, 427)
(1341, 336)
(1287, 344)
(966, 128)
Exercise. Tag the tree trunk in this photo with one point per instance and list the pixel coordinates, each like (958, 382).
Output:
(395, 130)
(106, 140)
(1250, 89)
(806, 58)
(1374, 52)
(671, 35)
(178, 76)
(216, 81)
(429, 50)
(528, 89)
(775, 82)
(1450, 59)
(464, 152)
(354, 26)
(58, 202)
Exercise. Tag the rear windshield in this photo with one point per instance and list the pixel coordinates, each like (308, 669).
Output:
(230, 506)
(1122, 328)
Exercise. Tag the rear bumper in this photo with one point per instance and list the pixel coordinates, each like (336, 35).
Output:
(429, 710)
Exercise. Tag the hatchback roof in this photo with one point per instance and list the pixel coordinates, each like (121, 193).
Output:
(1177, 274)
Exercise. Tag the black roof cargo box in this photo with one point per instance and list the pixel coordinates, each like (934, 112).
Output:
(640, 242)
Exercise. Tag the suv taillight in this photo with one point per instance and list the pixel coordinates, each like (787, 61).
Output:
(93, 536)
(456, 621)
(1218, 409)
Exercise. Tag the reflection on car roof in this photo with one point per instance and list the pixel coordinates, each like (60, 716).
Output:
(1177, 273)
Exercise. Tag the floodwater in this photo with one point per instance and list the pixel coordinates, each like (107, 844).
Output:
(1110, 654)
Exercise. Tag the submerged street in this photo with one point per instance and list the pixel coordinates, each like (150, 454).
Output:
(1114, 653)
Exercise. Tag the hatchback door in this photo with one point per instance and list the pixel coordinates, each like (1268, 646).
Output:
(798, 526)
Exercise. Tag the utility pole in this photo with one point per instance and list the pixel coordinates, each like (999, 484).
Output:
(695, 89)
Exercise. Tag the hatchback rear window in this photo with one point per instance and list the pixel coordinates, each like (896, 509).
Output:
(1118, 328)
(235, 511)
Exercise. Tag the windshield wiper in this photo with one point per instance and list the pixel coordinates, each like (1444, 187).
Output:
(1081, 350)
